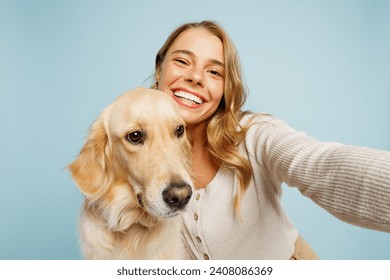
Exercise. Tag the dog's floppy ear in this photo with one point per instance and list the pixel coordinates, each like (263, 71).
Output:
(91, 169)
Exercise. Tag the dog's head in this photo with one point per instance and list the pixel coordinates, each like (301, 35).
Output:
(136, 158)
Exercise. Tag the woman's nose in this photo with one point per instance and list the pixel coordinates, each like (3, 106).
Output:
(194, 76)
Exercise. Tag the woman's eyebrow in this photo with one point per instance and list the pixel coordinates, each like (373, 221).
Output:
(190, 53)
(187, 52)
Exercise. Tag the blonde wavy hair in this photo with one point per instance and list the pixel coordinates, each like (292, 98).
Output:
(222, 143)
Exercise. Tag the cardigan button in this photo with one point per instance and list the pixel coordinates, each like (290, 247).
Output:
(196, 217)
(197, 196)
(198, 239)
(206, 257)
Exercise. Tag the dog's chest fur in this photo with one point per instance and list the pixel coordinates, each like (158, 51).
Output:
(162, 240)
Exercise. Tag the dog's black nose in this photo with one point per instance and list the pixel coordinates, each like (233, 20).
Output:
(177, 195)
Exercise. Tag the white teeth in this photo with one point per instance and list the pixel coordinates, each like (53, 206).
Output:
(188, 97)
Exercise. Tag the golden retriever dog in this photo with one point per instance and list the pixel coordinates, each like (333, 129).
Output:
(133, 171)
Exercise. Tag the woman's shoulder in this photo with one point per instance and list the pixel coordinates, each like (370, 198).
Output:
(262, 128)
(256, 120)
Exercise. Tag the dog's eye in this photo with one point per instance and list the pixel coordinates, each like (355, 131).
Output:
(179, 131)
(135, 137)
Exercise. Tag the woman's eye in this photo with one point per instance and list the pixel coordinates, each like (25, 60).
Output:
(179, 131)
(135, 137)
(181, 61)
(215, 73)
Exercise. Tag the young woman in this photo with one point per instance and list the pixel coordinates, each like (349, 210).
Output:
(240, 160)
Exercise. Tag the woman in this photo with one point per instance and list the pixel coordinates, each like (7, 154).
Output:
(240, 160)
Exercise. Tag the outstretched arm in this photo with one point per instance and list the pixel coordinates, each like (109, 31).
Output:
(352, 183)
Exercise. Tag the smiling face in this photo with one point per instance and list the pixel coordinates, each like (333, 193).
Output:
(192, 73)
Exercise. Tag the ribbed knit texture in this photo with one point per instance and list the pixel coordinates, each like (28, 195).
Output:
(352, 183)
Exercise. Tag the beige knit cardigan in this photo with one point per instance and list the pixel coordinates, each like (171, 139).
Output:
(352, 183)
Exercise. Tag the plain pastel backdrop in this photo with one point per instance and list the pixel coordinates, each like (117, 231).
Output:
(322, 66)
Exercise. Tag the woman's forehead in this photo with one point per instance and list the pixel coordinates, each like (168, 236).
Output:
(198, 41)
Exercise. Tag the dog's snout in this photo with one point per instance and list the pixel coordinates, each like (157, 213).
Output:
(177, 195)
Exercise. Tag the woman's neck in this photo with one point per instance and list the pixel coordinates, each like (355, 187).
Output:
(204, 165)
(197, 136)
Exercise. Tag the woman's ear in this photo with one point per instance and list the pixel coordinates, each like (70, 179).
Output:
(91, 169)
(158, 74)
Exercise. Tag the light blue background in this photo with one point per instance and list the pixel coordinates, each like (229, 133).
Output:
(322, 66)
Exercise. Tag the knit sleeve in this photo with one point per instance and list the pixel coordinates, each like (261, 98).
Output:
(352, 183)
